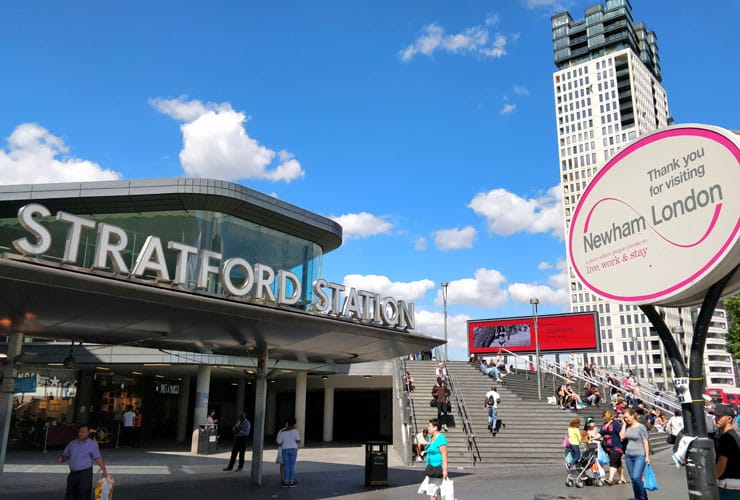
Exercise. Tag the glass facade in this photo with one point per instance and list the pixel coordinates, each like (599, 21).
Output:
(207, 230)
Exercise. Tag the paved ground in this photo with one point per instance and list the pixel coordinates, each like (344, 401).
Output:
(323, 473)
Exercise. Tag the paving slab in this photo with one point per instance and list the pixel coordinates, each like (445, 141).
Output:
(326, 472)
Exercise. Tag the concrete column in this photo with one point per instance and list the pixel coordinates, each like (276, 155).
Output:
(83, 399)
(202, 387)
(200, 413)
(183, 401)
(240, 388)
(301, 381)
(15, 345)
(328, 434)
(271, 426)
(258, 429)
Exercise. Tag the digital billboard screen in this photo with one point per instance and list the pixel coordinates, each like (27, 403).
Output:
(557, 333)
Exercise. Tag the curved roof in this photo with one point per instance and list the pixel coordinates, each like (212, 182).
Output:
(179, 193)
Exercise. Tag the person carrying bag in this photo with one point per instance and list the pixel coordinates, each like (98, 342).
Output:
(436, 463)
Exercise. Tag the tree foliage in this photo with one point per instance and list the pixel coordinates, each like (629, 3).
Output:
(732, 306)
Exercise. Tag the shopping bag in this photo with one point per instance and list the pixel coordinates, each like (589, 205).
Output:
(651, 483)
(447, 490)
(602, 457)
(104, 488)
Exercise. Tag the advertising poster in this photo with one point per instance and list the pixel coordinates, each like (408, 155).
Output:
(557, 333)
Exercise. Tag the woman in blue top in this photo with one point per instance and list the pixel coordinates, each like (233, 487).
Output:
(436, 457)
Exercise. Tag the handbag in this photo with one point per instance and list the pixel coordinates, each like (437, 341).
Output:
(447, 490)
(651, 482)
(670, 439)
(433, 402)
(566, 442)
(433, 471)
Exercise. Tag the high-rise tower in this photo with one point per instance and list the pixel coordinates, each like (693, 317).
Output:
(608, 92)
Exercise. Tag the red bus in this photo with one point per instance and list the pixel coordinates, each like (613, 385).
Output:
(724, 396)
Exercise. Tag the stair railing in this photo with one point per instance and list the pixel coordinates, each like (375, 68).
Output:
(409, 400)
(462, 411)
(563, 373)
(408, 418)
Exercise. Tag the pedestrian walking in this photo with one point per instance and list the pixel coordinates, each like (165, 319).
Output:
(613, 445)
(128, 426)
(279, 454)
(81, 453)
(241, 432)
(288, 441)
(637, 451)
(441, 394)
(138, 421)
(436, 461)
(727, 469)
(491, 405)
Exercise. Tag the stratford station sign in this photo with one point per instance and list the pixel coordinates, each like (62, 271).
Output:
(239, 279)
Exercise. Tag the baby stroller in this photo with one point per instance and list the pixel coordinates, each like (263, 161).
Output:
(586, 471)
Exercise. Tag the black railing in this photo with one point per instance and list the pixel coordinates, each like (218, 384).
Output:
(462, 411)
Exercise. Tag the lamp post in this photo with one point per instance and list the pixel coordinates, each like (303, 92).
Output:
(534, 301)
(444, 301)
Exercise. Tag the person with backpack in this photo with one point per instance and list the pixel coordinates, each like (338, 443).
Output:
(491, 405)
(727, 469)
(241, 431)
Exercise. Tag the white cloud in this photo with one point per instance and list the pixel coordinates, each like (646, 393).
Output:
(35, 155)
(507, 213)
(508, 108)
(485, 290)
(557, 5)
(454, 239)
(556, 293)
(431, 323)
(362, 225)
(386, 288)
(473, 40)
(420, 244)
(216, 143)
(521, 90)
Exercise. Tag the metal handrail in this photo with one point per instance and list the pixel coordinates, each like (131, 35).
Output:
(409, 400)
(410, 410)
(548, 366)
(462, 411)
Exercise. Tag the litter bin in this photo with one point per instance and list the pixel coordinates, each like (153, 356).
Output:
(376, 463)
(207, 439)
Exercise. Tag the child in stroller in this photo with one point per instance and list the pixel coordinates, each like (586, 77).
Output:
(586, 469)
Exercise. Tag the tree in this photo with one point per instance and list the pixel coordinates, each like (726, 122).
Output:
(732, 306)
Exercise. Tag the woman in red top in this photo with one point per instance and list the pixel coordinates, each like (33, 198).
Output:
(138, 420)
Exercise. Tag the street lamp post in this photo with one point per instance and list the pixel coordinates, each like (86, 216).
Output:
(444, 301)
(534, 301)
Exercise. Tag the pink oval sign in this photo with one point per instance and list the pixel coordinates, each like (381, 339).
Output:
(659, 223)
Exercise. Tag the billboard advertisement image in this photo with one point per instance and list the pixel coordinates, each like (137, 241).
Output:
(556, 332)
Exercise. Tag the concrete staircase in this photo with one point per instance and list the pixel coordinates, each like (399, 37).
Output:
(534, 430)
(524, 385)
(458, 453)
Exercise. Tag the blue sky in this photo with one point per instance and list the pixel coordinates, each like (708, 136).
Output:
(426, 128)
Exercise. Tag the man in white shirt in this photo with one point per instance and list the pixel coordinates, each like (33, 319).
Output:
(420, 440)
(491, 404)
(128, 426)
(440, 371)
